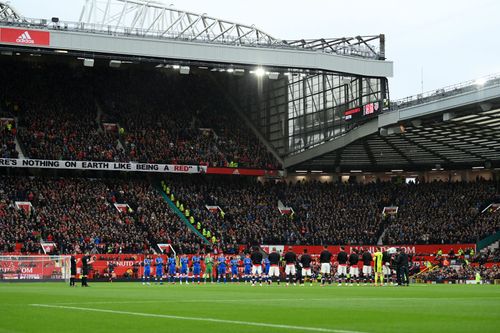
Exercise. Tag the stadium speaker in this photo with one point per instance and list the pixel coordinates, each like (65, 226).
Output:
(346, 81)
(273, 75)
(115, 63)
(239, 71)
(396, 130)
(485, 106)
(416, 122)
(184, 70)
(447, 116)
(88, 62)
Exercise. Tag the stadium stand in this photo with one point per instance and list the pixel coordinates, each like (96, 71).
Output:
(166, 121)
(440, 212)
(79, 215)
(341, 213)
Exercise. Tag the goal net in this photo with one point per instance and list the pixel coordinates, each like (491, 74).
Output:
(35, 267)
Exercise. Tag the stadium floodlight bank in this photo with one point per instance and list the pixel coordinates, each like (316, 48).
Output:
(35, 268)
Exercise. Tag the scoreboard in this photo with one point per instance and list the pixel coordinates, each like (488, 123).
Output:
(365, 111)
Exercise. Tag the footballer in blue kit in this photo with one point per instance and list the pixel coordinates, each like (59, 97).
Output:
(267, 266)
(147, 270)
(247, 272)
(196, 267)
(234, 269)
(171, 268)
(159, 270)
(184, 268)
(221, 268)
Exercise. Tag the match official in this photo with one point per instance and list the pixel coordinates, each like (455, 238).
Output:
(402, 263)
(86, 262)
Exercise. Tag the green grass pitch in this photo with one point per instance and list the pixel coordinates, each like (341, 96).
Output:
(132, 307)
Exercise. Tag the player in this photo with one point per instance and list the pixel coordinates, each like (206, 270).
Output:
(221, 268)
(147, 270)
(256, 258)
(377, 267)
(342, 265)
(234, 269)
(267, 266)
(353, 267)
(172, 268)
(184, 269)
(247, 273)
(159, 270)
(367, 266)
(290, 272)
(325, 259)
(274, 270)
(209, 264)
(305, 262)
(196, 262)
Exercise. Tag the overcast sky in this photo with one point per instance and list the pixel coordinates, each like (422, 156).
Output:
(451, 40)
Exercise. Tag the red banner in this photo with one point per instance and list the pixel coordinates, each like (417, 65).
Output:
(24, 36)
(243, 172)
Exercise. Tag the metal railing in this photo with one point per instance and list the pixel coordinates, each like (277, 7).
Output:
(358, 51)
(456, 89)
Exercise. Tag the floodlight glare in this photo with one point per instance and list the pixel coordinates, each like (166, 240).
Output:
(260, 72)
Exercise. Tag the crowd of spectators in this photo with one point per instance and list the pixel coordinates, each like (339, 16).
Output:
(461, 273)
(341, 213)
(442, 212)
(57, 115)
(8, 132)
(171, 119)
(180, 120)
(79, 215)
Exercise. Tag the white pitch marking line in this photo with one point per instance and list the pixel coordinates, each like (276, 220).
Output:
(213, 320)
(241, 300)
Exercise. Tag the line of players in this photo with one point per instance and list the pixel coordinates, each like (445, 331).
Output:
(259, 270)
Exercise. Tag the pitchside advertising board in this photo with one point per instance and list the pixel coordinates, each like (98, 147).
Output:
(26, 37)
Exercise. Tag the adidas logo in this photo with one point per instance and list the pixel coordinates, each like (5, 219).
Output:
(25, 38)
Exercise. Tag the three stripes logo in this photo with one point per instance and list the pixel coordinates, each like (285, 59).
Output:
(25, 38)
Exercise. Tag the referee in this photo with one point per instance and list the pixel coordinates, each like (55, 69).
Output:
(74, 261)
(403, 262)
(86, 262)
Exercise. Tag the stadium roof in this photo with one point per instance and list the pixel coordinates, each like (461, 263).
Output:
(8, 13)
(455, 127)
(146, 18)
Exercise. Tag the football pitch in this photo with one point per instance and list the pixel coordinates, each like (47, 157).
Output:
(132, 307)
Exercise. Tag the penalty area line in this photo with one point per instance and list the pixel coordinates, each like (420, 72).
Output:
(212, 320)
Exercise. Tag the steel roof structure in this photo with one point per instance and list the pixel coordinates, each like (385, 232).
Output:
(8, 13)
